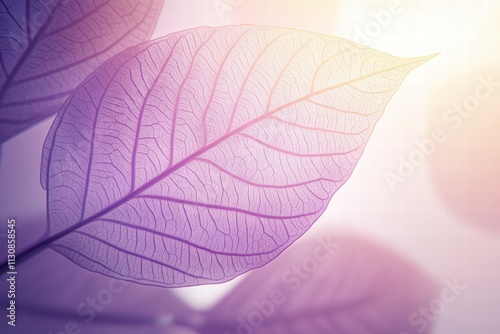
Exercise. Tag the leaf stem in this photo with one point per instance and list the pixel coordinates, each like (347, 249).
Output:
(31, 251)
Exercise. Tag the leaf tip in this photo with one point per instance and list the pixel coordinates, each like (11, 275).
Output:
(424, 59)
(431, 56)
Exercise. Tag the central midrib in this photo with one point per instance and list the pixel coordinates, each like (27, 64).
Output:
(194, 155)
(45, 243)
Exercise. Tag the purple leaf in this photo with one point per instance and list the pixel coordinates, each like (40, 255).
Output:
(47, 48)
(50, 293)
(196, 157)
(341, 284)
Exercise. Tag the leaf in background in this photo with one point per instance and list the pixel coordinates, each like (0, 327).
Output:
(199, 156)
(470, 145)
(47, 48)
(336, 284)
(51, 292)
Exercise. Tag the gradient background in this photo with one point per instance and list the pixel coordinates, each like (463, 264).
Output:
(445, 216)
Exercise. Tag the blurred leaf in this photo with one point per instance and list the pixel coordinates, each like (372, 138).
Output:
(464, 164)
(341, 284)
(52, 292)
(47, 48)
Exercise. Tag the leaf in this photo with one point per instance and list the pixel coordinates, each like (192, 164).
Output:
(201, 155)
(335, 284)
(47, 48)
(51, 292)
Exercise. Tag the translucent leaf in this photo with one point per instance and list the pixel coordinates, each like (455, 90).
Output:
(196, 157)
(47, 48)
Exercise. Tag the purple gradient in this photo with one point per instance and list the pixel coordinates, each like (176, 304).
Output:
(196, 157)
(49, 47)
